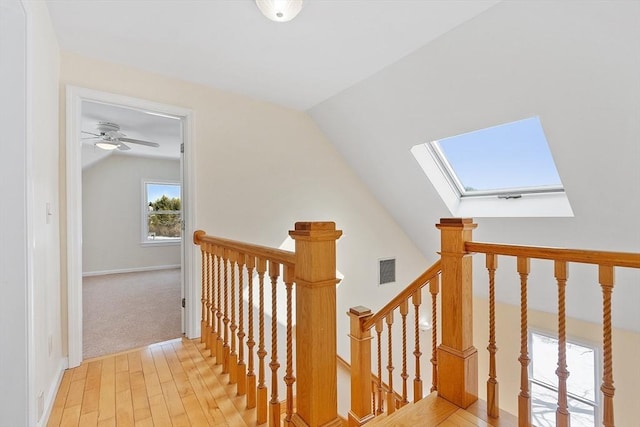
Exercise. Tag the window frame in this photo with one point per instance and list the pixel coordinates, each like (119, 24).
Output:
(597, 371)
(437, 153)
(145, 241)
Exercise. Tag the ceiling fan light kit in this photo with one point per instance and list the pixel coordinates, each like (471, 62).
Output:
(110, 138)
(280, 10)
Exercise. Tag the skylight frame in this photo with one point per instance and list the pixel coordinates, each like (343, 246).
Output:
(437, 153)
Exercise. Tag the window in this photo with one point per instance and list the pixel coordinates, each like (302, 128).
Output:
(162, 213)
(582, 393)
(477, 172)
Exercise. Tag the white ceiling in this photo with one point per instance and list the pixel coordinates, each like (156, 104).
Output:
(229, 44)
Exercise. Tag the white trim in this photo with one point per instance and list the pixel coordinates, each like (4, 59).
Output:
(129, 270)
(51, 393)
(75, 95)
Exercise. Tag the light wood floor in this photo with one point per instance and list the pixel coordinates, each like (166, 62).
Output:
(173, 383)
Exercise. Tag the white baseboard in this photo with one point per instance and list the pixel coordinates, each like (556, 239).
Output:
(130, 270)
(51, 393)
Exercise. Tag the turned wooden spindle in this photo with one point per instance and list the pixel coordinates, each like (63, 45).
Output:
(220, 284)
(416, 300)
(434, 288)
(233, 354)
(391, 398)
(274, 403)
(242, 367)
(289, 378)
(251, 375)
(203, 296)
(262, 388)
(606, 280)
(524, 398)
(225, 312)
(493, 409)
(379, 353)
(211, 337)
(404, 310)
(563, 418)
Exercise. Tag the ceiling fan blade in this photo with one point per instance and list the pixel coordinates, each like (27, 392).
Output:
(85, 138)
(123, 147)
(138, 141)
(91, 133)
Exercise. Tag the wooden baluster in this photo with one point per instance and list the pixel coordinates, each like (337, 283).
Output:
(251, 376)
(203, 295)
(220, 284)
(262, 388)
(210, 339)
(404, 310)
(434, 288)
(606, 280)
(242, 368)
(416, 299)
(391, 397)
(493, 409)
(379, 352)
(374, 390)
(524, 401)
(563, 418)
(289, 378)
(274, 403)
(233, 354)
(225, 320)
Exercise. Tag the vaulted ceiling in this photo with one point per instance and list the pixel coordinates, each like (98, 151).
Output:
(381, 76)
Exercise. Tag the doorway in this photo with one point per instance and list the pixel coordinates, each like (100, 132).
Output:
(103, 117)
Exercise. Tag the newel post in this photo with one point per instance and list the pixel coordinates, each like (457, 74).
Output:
(316, 370)
(457, 357)
(361, 411)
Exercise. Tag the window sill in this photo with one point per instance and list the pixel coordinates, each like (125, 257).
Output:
(152, 243)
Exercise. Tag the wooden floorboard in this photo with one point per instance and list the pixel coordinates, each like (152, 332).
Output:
(175, 383)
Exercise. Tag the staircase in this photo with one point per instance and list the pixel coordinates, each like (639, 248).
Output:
(387, 386)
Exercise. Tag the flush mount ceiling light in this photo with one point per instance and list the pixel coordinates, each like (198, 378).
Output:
(280, 10)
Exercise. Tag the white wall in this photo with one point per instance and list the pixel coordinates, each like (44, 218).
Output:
(577, 66)
(32, 360)
(112, 203)
(260, 168)
(14, 267)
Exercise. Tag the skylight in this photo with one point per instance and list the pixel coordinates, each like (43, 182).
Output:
(506, 162)
(511, 158)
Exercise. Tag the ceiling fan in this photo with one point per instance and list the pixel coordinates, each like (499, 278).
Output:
(109, 137)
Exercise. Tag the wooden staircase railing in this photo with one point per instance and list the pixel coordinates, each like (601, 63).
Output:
(228, 269)
(455, 362)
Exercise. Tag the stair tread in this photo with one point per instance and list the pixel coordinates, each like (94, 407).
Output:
(429, 411)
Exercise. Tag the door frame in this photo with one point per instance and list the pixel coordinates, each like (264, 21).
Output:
(74, 97)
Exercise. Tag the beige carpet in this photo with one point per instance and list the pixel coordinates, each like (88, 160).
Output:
(130, 310)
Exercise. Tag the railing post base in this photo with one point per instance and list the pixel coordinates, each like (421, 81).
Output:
(462, 372)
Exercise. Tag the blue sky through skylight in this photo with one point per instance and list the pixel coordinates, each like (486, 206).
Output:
(513, 155)
(155, 191)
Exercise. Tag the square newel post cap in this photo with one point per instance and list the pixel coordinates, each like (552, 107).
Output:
(315, 230)
(463, 223)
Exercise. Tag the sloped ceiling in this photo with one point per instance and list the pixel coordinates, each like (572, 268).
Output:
(230, 45)
(574, 64)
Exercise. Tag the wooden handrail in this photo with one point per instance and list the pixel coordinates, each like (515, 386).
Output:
(618, 259)
(276, 255)
(418, 283)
